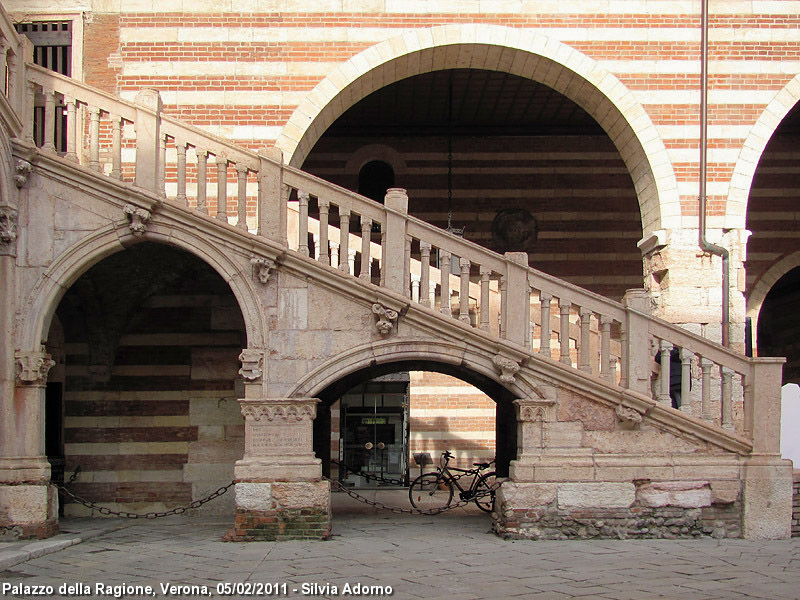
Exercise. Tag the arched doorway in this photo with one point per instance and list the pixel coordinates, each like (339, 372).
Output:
(477, 422)
(147, 344)
(773, 250)
(778, 331)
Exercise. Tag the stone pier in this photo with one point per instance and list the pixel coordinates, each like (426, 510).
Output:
(280, 493)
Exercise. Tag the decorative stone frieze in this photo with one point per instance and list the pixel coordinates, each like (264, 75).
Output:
(22, 169)
(252, 364)
(628, 417)
(508, 368)
(8, 230)
(386, 318)
(138, 218)
(262, 268)
(33, 367)
(270, 411)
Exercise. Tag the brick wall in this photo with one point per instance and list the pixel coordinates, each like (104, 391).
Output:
(448, 414)
(246, 81)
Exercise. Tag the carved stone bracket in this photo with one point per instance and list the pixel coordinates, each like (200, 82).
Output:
(508, 368)
(628, 417)
(22, 170)
(252, 364)
(530, 410)
(33, 367)
(138, 218)
(386, 318)
(8, 229)
(262, 268)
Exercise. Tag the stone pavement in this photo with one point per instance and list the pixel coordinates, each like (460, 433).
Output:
(434, 557)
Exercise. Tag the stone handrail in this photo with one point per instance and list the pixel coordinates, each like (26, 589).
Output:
(586, 327)
(16, 51)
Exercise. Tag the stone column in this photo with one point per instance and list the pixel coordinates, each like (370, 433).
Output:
(26, 497)
(280, 493)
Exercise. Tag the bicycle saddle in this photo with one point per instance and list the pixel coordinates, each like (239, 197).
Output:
(481, 465)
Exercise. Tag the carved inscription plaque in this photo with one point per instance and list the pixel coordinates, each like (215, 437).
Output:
(276, 428)
(267, 439)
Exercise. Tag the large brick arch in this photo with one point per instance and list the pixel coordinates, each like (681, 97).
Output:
(51, 286)
(523, 53)
(750, 155)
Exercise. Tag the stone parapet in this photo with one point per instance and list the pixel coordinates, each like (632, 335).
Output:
(614, 510)
(281, 511)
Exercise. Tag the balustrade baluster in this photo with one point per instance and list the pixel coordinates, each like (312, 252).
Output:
(425, 272)
(315, 241)
(503, 305)
(180, 148)
(72, 129)
(323, 255)
(414, 289)
(334, 253)
(663, 396)
(407, 267)
(605, 348)
(30, 104)
(366, 248)
(382, 263)
(705, 366)
(222, 189)
(116, 147)
(586, 317)
(444, 271)
(351, 261)
(241, 197)
(302, 243)
(485, 308)
(547, 329)
(344, 239)
(202, 177)
(162, 165)
(463, 292)
(727, 402)
(563, 307)
(94, 138)
(49, 120)
(686, 380)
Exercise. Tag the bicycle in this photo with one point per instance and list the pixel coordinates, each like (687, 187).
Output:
(435, 490)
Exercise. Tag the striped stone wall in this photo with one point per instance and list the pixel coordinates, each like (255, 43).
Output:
(448, 414)
(577, 188)
(159, 426)
(243, 74)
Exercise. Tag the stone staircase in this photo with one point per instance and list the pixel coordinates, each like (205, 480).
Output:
(531, 325)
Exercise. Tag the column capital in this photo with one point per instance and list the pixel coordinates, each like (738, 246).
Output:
(33, 367)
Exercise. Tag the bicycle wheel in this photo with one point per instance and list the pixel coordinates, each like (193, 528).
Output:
(484, 490)
(430, 491)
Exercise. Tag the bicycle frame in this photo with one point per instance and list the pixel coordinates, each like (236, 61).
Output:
(446, 473)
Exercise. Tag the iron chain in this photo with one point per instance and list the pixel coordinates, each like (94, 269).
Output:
(414, 511)
(103, 510)
(368, 476)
